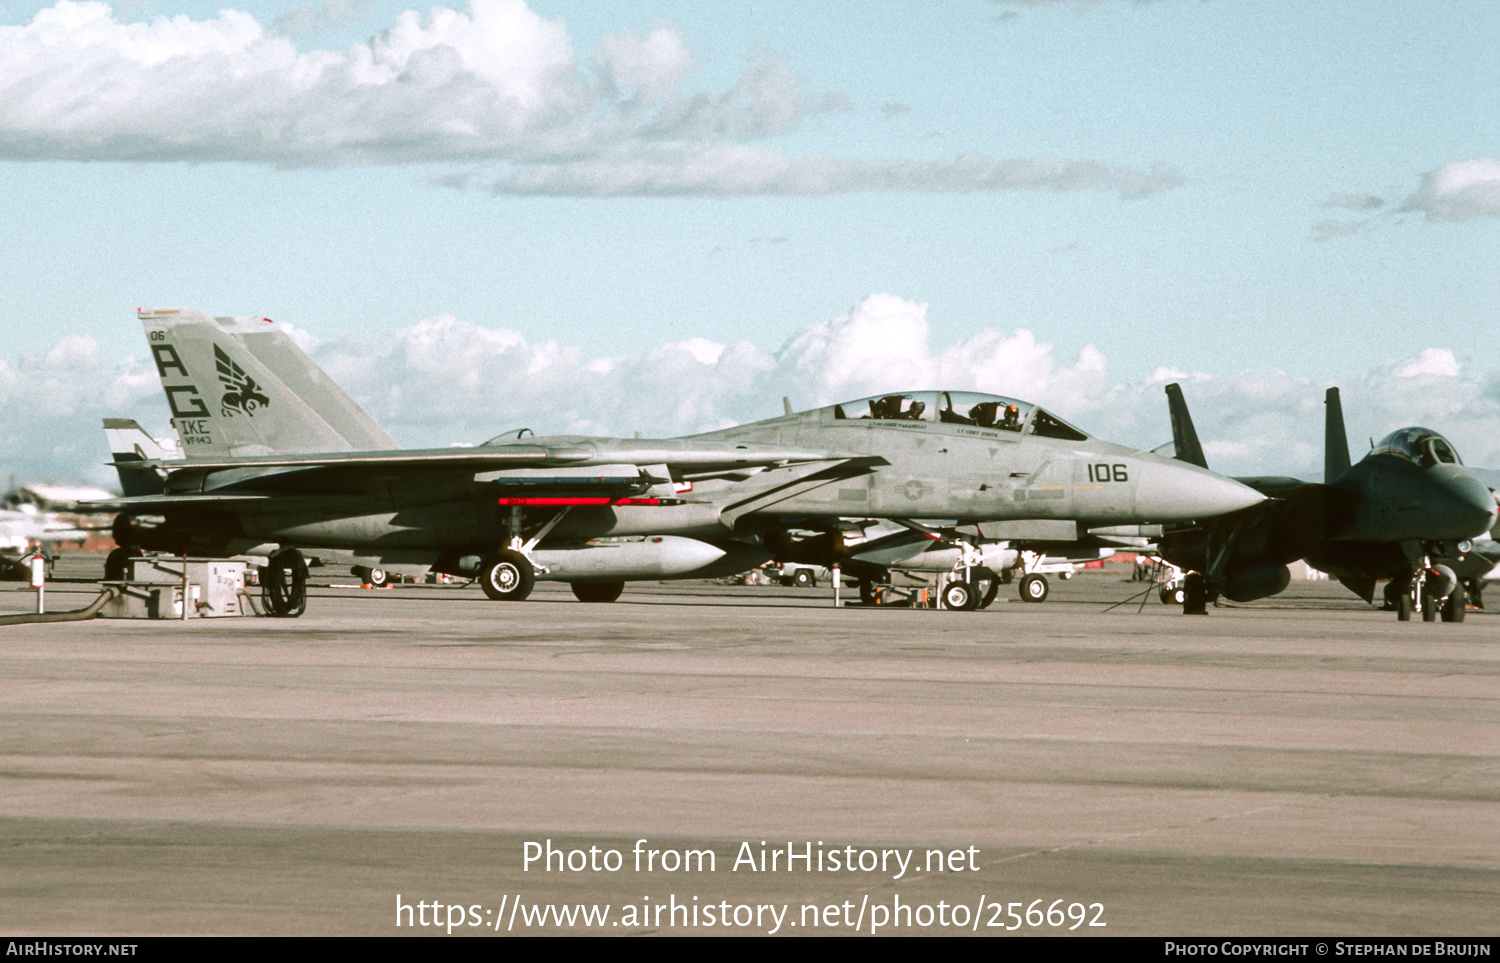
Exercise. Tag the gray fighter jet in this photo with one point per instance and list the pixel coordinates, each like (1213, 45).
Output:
(277, 458)
(1405, 512)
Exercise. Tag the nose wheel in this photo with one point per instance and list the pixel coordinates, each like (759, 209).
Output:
(1454, 605)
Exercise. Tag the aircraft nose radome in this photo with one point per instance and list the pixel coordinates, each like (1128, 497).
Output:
(1466, 508)
(1171, 492)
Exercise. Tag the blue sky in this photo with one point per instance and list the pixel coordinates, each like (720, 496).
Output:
(1210, 186)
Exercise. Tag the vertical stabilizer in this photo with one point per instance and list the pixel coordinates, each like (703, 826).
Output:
(236, 387)
(129, 445)
(1335, 441)
(273, 348)
(1184, 436)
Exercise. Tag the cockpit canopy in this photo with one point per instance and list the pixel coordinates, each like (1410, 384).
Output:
(994, 412)
(1421, 445)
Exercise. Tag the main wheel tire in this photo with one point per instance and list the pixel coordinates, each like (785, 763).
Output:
(507, 576)
(1453, 608)
(804, 579)
(959, 596)
(1034, 588)
(1404, 607)
(866, 592)
(379, 578)
(597, 591)
(283, 584)
(1391, 593)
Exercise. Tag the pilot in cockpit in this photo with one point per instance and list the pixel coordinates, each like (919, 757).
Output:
(914, 413)
(1012, 420)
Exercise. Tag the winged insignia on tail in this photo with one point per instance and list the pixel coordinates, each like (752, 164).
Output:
(242, 394)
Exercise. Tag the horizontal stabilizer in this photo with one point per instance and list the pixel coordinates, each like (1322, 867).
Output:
(136, 454)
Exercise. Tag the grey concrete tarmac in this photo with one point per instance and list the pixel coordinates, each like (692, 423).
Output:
(1303, 766)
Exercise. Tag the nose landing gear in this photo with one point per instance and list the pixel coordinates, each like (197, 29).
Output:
(1432, 591)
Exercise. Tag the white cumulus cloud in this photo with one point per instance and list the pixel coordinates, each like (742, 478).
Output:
(743, 169)
(1438, 362)
(51, 404)
(495, 87)
(1459, 191)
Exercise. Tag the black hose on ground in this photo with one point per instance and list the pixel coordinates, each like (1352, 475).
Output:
(75, 615)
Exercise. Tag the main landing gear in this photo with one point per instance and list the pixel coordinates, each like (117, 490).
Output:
(507, 576)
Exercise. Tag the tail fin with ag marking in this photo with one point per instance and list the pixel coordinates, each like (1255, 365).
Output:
(241, 386)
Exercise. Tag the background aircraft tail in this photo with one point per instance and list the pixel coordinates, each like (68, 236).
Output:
(129, 444)
(1184, 435)
(241, 386)
(1335, 440)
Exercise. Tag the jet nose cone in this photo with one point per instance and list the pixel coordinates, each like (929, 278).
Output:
(1171, 491)
(1462, 508)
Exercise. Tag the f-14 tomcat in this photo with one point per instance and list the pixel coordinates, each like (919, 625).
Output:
(277, 458)
(1408, 512)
